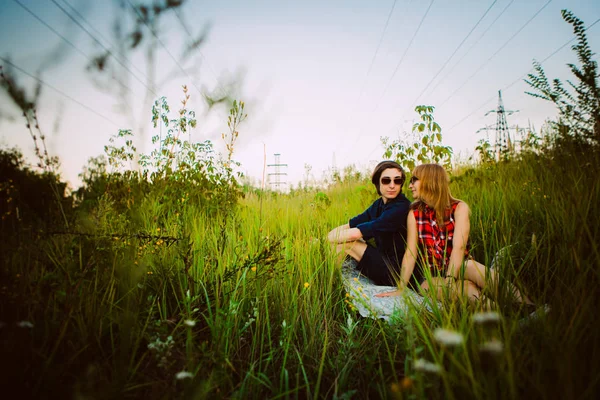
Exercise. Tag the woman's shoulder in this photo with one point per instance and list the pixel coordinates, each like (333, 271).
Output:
(418, 206)
(460, 206)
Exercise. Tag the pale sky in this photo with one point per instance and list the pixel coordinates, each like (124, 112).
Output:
(323, 80)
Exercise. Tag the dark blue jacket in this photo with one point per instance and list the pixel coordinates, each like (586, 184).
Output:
(386, 223)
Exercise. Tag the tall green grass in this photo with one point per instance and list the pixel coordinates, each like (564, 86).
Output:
(251, 304)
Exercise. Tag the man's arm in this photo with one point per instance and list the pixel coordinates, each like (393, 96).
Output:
(391, 220)
(343, 234)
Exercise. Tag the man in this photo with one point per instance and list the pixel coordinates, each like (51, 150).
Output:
(385, 222)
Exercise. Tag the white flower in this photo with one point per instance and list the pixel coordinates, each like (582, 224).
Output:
(494, 346)
(24, 324)
(423, 365)
(189, 322)
(486, 317)
(183, 375)
(447, 337)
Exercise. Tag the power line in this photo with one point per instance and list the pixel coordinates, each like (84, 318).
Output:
(143, 20)
(520, 78)
(61, 36)
(497, 51)
(471, 47)
(187, 30)
(52, 29)
(405, 52)
(371, 65)
(376, 51)
(58, 91)
(74, 10)
(454, 52)
(210, 68)
(398, 65)
(98, 41)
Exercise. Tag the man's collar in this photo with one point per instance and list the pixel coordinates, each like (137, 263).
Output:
(394, 200)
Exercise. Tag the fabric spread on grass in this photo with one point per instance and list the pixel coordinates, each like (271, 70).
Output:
(361, 294)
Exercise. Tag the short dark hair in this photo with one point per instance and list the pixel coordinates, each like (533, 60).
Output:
(382, 166)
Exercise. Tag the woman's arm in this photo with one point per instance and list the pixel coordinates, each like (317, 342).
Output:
(343, 234)
(462, 227)
(410, 256)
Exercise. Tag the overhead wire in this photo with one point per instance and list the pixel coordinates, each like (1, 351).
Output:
(142, 19)
(471, 47)
(507, 87)
(406, 51)
(77, 49)
(496, 52)
(520, 78)
(376, 52)
(95, 39)
(189, 33)
(8, 62)
(81, 17)
(34, 15)
(397, 67)
(454, 52)
(357, 102)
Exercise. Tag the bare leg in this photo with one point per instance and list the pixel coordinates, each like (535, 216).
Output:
(457, 289)
(355, 249)
(482, 276)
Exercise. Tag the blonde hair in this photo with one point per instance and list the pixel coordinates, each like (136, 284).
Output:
(434, 190)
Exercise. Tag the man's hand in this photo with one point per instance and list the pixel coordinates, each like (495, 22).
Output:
(344, 234)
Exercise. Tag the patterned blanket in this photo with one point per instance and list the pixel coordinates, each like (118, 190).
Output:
(361, 294)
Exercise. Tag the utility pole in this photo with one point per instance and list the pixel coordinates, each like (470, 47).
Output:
(502, 144)
(277, 174)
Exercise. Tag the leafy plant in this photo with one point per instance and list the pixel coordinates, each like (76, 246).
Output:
(425, 145)
(578, 103)
(484, 148)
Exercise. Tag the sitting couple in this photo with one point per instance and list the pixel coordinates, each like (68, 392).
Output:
(433, 231)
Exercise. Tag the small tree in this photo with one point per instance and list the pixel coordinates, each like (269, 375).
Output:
(426, 143)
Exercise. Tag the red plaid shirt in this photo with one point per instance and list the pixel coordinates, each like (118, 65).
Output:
(435, 243)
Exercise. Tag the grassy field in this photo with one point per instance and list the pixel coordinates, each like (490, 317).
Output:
(160, 298)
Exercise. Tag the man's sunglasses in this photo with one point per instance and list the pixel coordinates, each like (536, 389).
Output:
(397, 180)
(413, 179)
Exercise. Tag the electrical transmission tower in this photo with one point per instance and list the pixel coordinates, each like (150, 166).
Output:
(277, 182)
(502, 143)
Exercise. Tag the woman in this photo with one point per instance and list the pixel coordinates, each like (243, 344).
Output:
(437, 234)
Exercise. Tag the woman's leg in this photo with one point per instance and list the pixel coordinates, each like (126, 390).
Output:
(482, 276)
(457, 289)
